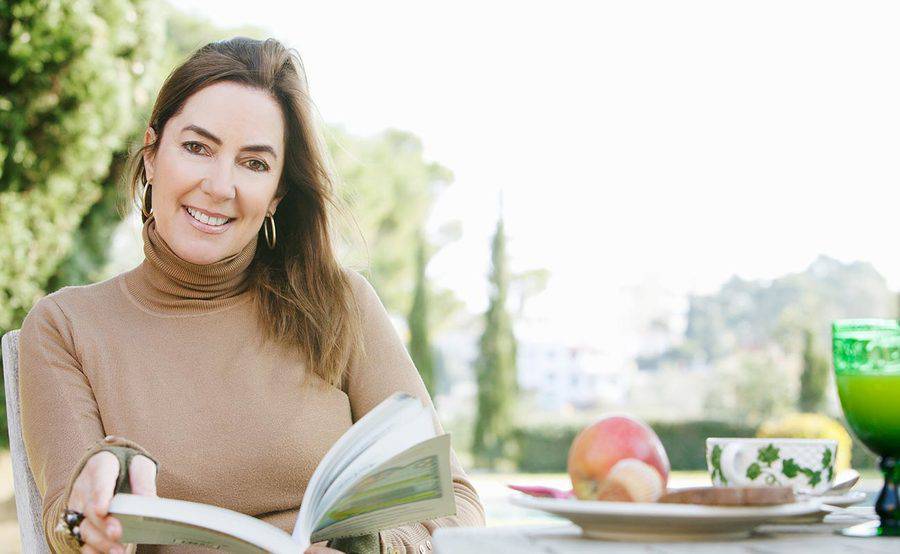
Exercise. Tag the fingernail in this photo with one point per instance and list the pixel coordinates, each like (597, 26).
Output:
(116, 550)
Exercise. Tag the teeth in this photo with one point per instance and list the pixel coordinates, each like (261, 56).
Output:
(202, 217)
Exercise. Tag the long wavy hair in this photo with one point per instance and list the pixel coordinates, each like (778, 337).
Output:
(303, 294)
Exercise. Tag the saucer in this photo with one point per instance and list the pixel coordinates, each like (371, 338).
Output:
(646, 522)
(841, 500)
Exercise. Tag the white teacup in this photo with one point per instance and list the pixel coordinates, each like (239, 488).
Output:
(806, 465)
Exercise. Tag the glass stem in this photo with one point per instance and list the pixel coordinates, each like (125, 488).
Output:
(888, 505)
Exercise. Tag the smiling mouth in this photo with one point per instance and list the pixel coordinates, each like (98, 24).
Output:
(200, 217)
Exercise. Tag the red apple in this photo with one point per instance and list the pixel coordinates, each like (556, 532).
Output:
(618, 458)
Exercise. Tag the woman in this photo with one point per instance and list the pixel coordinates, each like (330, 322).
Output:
(228, 361)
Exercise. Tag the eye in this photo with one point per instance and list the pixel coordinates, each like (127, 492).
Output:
(262, 166)
(189, 146)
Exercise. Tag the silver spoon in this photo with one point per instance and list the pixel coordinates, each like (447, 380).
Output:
(844, 481)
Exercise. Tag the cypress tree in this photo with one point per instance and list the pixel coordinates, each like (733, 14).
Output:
(417, 320)
(814, 378)
(495, 367)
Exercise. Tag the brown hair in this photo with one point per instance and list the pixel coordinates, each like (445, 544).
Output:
(303, 294)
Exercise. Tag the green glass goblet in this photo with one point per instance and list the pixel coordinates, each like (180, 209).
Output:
(867, 372)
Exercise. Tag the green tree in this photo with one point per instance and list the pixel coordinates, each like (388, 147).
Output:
(751, 314)
(750, 387)
(433, 310)
(91, 240)
(495, 367)
(390, 189)
(814, 377)
(71, 81)
(420, 349)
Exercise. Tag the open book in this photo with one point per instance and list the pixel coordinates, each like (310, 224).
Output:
(390, 468)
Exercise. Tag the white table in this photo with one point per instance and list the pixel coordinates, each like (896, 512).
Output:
(565, 538)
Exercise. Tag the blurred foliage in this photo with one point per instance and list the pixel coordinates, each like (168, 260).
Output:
(91, 240)
(751, 386)
(748, 315)
(685, 442)
(545, 448)
(73, 78)
(768, 342)
(186, 32)
(524, 285)
(389, 189)
(818, 426)
(495, 366)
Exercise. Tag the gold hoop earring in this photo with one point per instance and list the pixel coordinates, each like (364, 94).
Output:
(145, 201)
(266, 221)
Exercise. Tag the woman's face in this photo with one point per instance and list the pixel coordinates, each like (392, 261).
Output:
(222, 156)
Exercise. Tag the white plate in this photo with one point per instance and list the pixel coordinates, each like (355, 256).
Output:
(636, 521)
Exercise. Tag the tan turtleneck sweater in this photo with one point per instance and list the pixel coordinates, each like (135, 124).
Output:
(168, 357)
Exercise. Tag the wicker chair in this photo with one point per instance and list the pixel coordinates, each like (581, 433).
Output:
(28, 498)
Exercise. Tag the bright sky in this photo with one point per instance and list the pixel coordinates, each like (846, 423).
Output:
(681, 142)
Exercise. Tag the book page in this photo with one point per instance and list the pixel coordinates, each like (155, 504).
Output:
(414, 485)
(416, 426)
(362, 434)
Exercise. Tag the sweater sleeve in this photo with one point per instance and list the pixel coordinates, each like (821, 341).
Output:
(385, 368)
(61, 424)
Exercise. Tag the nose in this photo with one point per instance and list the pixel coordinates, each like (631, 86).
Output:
(220, 183)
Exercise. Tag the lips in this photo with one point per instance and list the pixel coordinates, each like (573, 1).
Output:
(205, 227)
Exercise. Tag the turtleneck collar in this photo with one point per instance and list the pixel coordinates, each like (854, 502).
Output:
(166, 283)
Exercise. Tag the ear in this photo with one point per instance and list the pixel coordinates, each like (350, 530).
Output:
(149, 138)
(274, 204)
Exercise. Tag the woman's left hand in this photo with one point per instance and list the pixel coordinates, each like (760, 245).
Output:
(320, 548)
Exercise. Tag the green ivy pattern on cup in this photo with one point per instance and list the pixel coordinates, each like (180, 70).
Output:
(806, 465)
(716, 459)
(764, 467)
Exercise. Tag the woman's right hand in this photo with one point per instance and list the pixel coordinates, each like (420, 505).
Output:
(92, 492)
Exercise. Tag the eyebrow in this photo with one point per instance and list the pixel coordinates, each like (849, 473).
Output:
(250, 148)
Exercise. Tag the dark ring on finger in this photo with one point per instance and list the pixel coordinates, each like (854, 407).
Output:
(76, 532)
(71, 523)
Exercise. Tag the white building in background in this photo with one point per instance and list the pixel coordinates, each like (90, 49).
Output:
(578, 377)
(556, 377)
